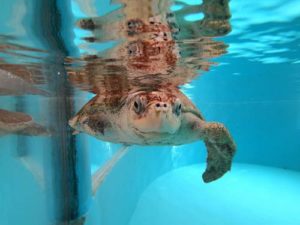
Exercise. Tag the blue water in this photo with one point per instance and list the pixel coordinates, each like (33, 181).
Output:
(251, 193)
(254, 89)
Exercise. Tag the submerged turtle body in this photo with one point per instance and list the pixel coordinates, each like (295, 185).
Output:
(159, 117)
(19, 123)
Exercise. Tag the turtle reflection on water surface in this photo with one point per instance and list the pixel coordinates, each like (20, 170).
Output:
(21, 124)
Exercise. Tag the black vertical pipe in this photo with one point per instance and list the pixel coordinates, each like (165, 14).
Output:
(22, 146)
(66, 165)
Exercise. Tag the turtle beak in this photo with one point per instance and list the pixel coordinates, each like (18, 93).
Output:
(162, 107)
(159, 119)
(165, 119)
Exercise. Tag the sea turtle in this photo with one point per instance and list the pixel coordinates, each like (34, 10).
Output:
(138, 100)
(157, 117)
(20, 123)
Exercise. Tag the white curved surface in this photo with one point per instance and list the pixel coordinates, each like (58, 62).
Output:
(249, 194)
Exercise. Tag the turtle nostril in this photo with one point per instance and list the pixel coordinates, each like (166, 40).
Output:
(157, 105)
(165, 105)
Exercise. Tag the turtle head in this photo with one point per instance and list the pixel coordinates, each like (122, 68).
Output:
(155, 112)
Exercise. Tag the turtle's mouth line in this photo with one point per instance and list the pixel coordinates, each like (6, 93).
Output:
(139, 132)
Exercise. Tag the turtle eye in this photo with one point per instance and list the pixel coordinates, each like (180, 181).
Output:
(133, 49)
(177, 107)
(137, 106)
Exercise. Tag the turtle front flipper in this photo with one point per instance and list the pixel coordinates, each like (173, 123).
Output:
(102, 172)
(220, 148)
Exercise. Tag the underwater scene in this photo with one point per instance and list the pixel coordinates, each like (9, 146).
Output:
(149, 112)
